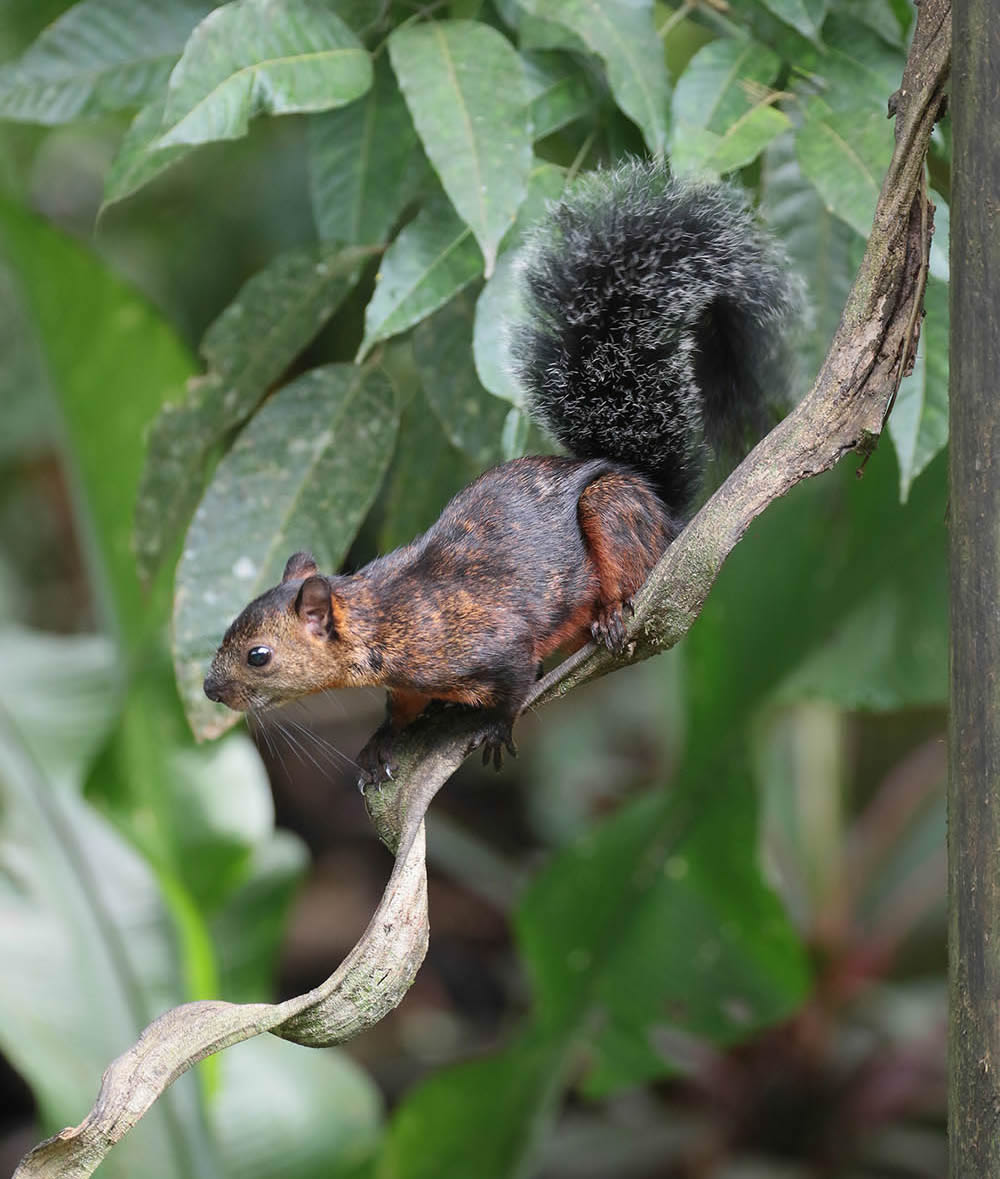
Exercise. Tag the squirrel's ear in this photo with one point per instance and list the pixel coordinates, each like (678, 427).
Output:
(299, 565)
(314, 605)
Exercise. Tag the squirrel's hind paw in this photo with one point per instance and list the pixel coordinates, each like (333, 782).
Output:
(609, 626)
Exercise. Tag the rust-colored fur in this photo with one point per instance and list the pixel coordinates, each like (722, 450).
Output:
(537, 555)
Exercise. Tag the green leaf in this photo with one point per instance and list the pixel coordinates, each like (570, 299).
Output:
(466, 89)
(87, 952)
(623, 35)
(361, 161)
(433, 258)
(413, 502)
(845, 154)
(500, 307)
(878, 15)
(601, 926)
(471, 418)
(804, 15)
(301, 475)
(558, 90)
(254, 57)
(723, 80)
(852, 544)
(99, 56)
(818, 244)
(273, 317)
(855, 67)
(722, 118)
(112, 362)
(918, 424)
(287, 1110)
(138, 159)
(705, 152)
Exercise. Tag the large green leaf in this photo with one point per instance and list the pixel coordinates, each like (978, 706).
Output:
(112, 361)
(833, 551)
(623, 35)
(274, 315)
(918, 424)
(466, 89)
(360, 161)
(845, 154)
(721, 117)
(86, 945)
(600, 930)
(433, 258)
(99, 56)
(818, 244)
(471, 418)
(301, 475)
(254, 57)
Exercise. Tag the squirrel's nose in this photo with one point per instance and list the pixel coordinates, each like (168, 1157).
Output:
(213, 690)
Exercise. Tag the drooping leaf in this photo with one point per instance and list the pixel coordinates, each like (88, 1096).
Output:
(702, 151)
(471, 418)
(558, 90)
(433, 258)
(301, 475)
(918, 424)
(845, 154)
(99, 56)
(623, 35)
(253, 57)
(804, 15)
(360, 161)
(113, 362)
(274, 315)
(818, 244)
(466, 89)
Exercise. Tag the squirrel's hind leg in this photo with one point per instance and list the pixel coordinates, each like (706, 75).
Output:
(626, 529)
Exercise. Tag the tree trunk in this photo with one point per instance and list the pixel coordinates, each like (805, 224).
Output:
(974, 789)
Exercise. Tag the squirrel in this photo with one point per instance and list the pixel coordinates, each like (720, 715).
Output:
(656, 331)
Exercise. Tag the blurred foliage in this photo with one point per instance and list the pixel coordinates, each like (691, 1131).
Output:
(346, 275)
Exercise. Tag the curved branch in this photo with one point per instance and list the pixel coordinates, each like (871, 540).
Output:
(844, 411)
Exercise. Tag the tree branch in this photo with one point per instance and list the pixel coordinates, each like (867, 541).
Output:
(844, 411)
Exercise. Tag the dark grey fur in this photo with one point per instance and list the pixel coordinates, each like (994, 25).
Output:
(660, 320)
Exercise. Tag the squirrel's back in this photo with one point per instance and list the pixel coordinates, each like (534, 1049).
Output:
(659, 315)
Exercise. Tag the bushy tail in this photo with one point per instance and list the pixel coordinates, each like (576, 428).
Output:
(658, 320)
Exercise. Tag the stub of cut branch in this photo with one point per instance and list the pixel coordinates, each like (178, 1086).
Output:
(844, 411)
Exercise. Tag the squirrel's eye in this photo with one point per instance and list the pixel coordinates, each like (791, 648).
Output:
(259, 656)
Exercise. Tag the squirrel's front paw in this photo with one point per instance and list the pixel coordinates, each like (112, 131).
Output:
(495, 736)
(375, 760)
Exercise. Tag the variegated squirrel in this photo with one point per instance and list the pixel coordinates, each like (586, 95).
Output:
(656, 331)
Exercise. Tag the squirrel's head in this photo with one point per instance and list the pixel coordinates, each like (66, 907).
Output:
(287, 643)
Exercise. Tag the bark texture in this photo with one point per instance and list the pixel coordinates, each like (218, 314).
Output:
(974, 780)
